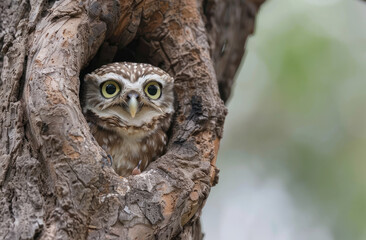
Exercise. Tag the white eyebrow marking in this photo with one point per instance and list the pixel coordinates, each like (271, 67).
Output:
(153, 76)
(113, 76)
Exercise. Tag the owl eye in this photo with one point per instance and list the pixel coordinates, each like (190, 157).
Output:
(153, 90)
(110, 89)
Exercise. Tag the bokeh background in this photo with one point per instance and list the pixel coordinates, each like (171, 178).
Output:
(293, 156)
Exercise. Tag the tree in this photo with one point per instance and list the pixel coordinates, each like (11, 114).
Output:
(55, 183)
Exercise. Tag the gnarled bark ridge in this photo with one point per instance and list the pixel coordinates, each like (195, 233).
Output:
(54, 180)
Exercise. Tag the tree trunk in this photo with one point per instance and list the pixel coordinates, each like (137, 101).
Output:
(54, 183)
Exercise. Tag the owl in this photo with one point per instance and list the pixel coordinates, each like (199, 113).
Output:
(129, 107)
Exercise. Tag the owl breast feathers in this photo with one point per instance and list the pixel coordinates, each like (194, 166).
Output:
(129, 107)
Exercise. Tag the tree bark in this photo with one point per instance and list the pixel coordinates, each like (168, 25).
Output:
(54, 180)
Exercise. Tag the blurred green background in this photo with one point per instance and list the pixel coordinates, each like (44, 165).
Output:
(293, 156)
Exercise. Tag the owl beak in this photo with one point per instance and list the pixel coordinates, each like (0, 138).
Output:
(133, 104)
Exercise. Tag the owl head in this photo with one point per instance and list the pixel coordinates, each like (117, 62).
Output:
(127, 97)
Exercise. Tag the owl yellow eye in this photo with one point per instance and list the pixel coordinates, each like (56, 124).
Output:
(153, 90)
(110, 89)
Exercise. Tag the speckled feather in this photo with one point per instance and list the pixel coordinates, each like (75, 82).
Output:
(127, 139)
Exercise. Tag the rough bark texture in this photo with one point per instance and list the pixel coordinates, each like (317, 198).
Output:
(54, 183)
